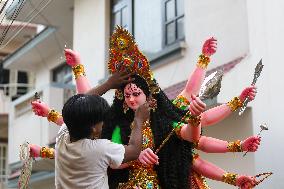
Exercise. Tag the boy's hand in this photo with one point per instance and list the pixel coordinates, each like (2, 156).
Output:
(143, 112)
(118, 79)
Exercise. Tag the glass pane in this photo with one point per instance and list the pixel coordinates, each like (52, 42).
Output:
(170, 10)
(1, 151)
(171, 32)
(4, 152)
(148, 27)
(125, 15)
(116, 19)
(180, 7)
(116, 1)
(180, 28)
(3, 164)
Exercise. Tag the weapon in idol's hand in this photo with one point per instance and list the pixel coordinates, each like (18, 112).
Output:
(257, 72)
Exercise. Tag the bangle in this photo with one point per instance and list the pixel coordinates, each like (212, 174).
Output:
(235, 146)
(78, 71)
(53, 116)
(195, 144)
(194, 121)
(194, 156)
(178, 132)
(203, 61)
(230, 178)
(235, 103)
(181, 102)
(46, 152)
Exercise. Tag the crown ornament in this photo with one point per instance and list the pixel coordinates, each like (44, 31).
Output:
(124, 55)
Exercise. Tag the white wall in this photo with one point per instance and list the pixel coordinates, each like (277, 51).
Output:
(4, 103)
(224, 19)
(266, 30)
(231, 129)
(91, 36)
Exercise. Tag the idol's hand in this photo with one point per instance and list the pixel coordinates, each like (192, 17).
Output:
(209, 46)
(245, 182)
(196, 106)
(34, 150)
(249, 92)
(148, 157)
(72, 57)
(40, 108)
(251, 143)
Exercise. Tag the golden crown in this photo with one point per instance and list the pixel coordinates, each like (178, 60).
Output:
(124, 55)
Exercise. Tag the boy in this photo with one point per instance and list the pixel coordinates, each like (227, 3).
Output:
(81, 161)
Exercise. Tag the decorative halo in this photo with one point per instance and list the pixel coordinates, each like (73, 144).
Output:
(124, 55)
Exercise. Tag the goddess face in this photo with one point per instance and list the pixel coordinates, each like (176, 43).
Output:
(134, 96)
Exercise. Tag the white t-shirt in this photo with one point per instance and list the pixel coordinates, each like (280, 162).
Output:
(83, 164)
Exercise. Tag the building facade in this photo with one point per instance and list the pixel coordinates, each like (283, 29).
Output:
(170, 33)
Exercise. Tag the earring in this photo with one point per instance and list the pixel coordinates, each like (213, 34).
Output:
(125, 107)
(152, 103)
(119, 94)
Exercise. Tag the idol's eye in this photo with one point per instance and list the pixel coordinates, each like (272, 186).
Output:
(136, 94)
(126, 95)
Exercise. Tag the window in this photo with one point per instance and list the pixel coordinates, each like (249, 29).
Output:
(122, 14)
(3, 162)
(173, 21)
(62, 74)
(157, 24)
(62, 77)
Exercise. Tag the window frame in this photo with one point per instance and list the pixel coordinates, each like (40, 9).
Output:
(165, 23)
(173, 51)
(67, 79)
(118, 7)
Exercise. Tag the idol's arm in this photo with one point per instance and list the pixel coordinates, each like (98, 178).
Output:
(213, 145)
(197, 76)
(214, 172)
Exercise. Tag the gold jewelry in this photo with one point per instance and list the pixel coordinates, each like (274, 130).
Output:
(194, 157)
(119, 94)
(125, 107)
(195, 144)
(235, 103)
(46, 152)
(152, 103)
(78, 71)
(181, 102)
(194, 121)
(230, 178)
(178, 132)
(203, 61)
(235, 146)
(53, 116)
